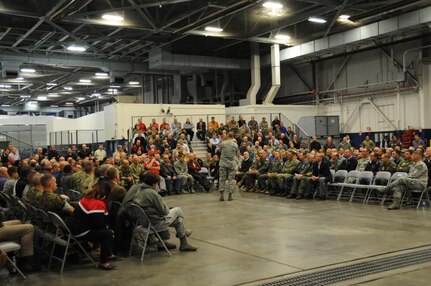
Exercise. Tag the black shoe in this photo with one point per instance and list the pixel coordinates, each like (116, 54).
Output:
(273, 193)
(169, 246)
(299, 197)
(291, 196)
(320, 198)
(309, 197)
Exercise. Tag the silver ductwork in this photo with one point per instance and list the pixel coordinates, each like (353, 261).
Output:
(275, 72)
(255, 76)
(357, 35)
(163, 60)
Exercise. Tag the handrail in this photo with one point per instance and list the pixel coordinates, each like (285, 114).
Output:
(296, 125)
(15, 139)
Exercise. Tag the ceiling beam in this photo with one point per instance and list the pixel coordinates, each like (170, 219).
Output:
(143, 15)
(334, 20)
(321, 2)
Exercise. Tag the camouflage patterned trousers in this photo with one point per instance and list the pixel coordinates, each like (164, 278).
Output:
(226, 179)
(402, 184)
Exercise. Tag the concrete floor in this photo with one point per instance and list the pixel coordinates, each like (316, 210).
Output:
(257, 237)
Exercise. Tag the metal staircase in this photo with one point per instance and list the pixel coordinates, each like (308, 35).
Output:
(25, 149)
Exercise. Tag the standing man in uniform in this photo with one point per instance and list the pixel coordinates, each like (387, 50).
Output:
(227, 166)
(417, 179)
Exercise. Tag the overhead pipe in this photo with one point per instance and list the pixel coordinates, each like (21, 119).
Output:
(255, 74)
(275, 72)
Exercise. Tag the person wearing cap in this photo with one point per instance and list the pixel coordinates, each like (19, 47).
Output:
(417, 179)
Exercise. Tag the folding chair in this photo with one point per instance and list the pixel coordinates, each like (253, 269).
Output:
(10, 246)
(337, 178)
(143, 228)
(66, 239)
(352, 176)
(364, 181)
(423, 193)
(74, 196)
(395, 176)
(381, 181)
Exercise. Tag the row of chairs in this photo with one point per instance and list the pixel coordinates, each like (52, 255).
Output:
(363, 185)
(50, 231)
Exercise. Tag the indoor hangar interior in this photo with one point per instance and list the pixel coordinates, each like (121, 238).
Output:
(222, 142)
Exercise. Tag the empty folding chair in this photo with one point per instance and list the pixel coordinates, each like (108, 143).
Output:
(409, 197)
(10, 246)
(66, 239)
(363, 183)
(74, 196)
(337, 178)
(349, 184)
(382, 180)
(142, 230)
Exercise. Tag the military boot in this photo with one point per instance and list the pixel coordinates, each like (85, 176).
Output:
(221, 196)
(395, 204)
(230, 198)
(185, 246)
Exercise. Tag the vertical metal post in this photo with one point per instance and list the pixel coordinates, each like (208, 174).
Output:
(76, 131)
(97, 135)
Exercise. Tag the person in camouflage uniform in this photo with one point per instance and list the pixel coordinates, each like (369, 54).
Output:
(335, 161)
(83, 179)
(387, 165)
(275, 167)
(287, 171)
(49, 201)
(417, 179)
(301, 181)
(228, 153)
(126, 179)
(182, 170)
(253, 167)
(405, 163)
(261, 168)
(135, 170)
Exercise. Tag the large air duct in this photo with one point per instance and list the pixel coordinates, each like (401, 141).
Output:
(275, 72)
(255, 76)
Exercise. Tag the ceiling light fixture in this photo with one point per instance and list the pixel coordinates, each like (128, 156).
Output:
(317, 20)
(25, 96)
(53, 105)
(111, 17)
(112, 90)
(95, 95)
(344, 17)
(272, 5)
(85, 81)
(76, 49)
(133, 82)
(101, 74)
(68, 88)
(5, 105)
(41, 98)
(282, 37)
(51, 84)
(5, 86)
(80, 98)
(20, 78)
(213, 29)
(28, 70)
(69, 103)
(114, 86)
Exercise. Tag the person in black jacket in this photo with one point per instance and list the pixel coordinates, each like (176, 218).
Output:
(53, 153)
(84, 152)
(245, 166)
(167, 171)
(315, 145)
(201, 130)
(88, 222)
(321, 175)
(349, 163)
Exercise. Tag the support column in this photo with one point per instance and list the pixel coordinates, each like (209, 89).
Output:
(275, 72)
(255, 76)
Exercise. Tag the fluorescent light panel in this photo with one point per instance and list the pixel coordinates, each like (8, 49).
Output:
(76, 49)
(111, 17)
(112, 90)
(213, 29)
(68, 88)
(84, 80)
(41, 98)
(25, 96)
(5, 86)
(133, 82)
(272, 5)
(317, 20)
(282, 37)
(28, 70)
(51, 84)
(5, 105)
(101, 74)
(20, 78)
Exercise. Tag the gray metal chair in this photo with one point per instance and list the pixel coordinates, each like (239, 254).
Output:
(408, 196)
(66, 239)
(395, 176)
(381, 181)
(363, 182)
(337, 178)
(349, 183)
(142, 229)
(10, 246)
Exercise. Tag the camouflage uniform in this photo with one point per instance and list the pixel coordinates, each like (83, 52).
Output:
(135, 172)
(287, 171)
(362, 163)
(302, 185)
(261, 167)
(32, 197)
(335, 164)
(404, 165)
(50, 202)
(228, 165)
(183, 174)
(389, 167)
(276, 167)
(125, 173)
(82, 181)
(417, 179)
